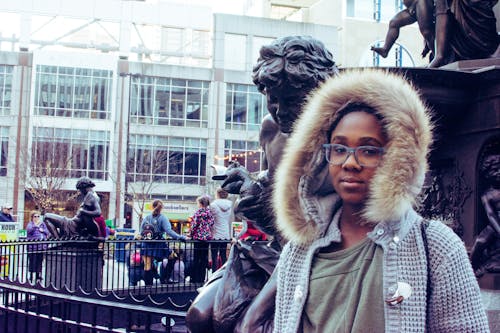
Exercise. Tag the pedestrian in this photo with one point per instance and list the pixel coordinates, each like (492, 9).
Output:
(359, 258)
(172, 268)
(6, 213)
(154, 227)
(221, 209)
(201, 223)
(134, 263)
(36, 230)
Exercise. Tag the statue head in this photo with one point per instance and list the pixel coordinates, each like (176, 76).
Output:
(83, 183)
(287, 71)
(490, 168)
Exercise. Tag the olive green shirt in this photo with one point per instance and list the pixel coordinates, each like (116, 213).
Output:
(345, 291)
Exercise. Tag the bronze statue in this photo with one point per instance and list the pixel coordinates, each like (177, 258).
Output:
(452, 29)
(420, 11)
(485, 254)
(87, 221)
(232, 301)
(286, 72)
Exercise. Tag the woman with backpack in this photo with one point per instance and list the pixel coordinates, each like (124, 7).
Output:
(154, 226)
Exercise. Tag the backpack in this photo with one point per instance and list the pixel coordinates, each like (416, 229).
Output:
(151, 227)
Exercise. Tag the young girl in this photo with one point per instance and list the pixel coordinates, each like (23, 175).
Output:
(201, 224)
(359, 258)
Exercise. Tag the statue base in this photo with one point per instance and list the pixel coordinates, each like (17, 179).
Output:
(473, 65)
(74, 269)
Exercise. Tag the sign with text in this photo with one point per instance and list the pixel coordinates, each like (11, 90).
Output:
(8, 231)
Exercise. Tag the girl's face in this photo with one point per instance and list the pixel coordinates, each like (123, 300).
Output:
(351, 180)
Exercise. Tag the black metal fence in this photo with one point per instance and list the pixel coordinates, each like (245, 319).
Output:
(103, 266)
(120, 285)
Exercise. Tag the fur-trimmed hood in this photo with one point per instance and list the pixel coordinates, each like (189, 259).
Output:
(302, 182)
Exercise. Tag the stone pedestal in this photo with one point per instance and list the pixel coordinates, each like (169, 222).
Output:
(465, 99)
(466, 114)
(74, 269)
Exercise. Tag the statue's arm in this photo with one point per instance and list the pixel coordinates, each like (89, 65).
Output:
(260, 314)
(268, 130)
(490, 212)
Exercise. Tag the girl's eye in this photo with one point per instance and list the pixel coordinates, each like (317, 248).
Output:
(369, 151)
(339, 149)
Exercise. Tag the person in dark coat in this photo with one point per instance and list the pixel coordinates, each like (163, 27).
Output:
(6, 213)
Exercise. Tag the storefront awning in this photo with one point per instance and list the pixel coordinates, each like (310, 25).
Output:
(177, 216)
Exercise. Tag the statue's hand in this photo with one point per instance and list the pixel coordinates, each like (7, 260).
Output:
(250, 203)
(236, 179)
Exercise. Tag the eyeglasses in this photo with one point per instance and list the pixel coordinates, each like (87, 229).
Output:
(366, 156)
(10, 208)
(36, 215)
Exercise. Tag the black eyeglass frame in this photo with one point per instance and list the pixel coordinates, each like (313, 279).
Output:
(351, 151)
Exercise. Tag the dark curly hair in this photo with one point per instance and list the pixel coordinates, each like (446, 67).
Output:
(84, 182)
(300, 61)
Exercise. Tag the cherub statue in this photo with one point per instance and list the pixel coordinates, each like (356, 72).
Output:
(485, 254)
(420, 11)
(286, 72)
(452, 29)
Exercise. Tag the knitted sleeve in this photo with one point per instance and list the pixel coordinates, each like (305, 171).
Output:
(455, 301)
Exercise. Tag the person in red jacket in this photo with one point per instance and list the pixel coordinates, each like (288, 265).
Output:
(251, 233)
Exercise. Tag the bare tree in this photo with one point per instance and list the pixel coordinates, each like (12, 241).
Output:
(44, 173)
(144, 174)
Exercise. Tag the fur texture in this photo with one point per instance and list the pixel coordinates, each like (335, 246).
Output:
(399, 178)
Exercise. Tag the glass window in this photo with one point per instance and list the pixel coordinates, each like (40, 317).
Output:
(247, 153)
(177, 106)
(4, 151)
(73, 92)
(5, 89)
(75, 153)
(245, 107)
(166, 159)
(165, 101)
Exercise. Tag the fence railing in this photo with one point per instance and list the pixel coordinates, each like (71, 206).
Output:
(117, 266)
(90, 285)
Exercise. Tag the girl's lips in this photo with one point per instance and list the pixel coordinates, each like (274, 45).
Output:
(351, 180)
(352, 184)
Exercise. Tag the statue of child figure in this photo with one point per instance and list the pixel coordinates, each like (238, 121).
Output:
(420, 11)
(485, 254)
